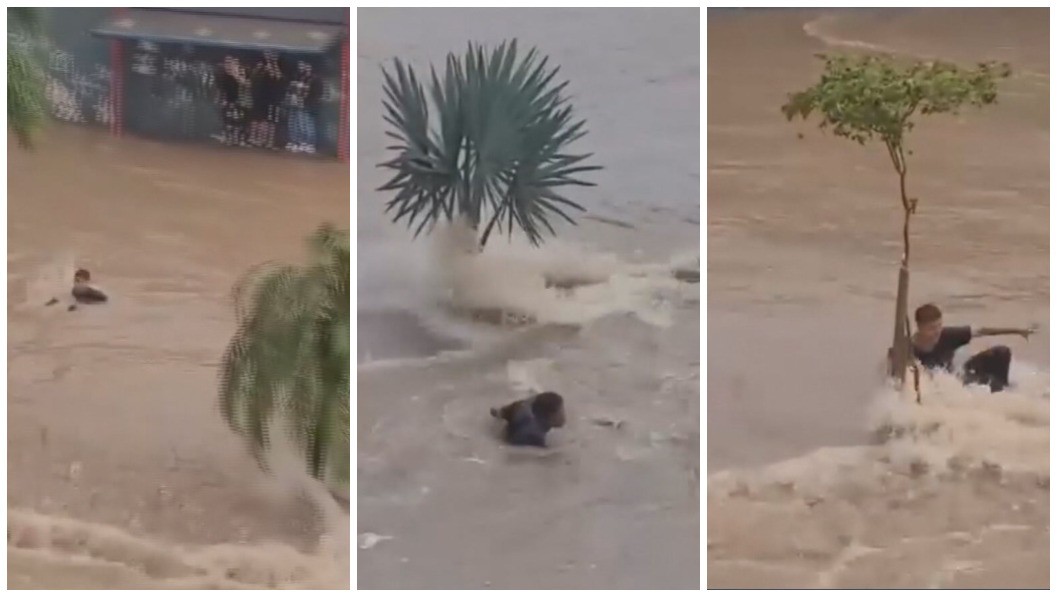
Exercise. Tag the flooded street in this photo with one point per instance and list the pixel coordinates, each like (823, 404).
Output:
(614, 501)
(121, 471)
(804, 245)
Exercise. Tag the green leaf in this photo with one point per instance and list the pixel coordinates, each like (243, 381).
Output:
(875, 96)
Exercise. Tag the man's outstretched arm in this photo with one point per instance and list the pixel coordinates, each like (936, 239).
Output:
(1024, 332)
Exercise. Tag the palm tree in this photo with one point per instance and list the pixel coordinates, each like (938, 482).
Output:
(498, 154)
(26, 101)
(289, 359)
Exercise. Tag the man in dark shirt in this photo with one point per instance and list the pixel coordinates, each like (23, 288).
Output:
(934, 347)
(83, 291)
(529, 420)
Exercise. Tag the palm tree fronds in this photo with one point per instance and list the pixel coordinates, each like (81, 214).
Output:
(496, 149)
(289, 358)
(26, 99)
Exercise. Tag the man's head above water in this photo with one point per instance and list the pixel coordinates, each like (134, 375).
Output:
(929, 320)
(82, 276)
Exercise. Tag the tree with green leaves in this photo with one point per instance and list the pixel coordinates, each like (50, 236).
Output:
(877, 98)
(26, 100)
(286, 370)
(492, 149)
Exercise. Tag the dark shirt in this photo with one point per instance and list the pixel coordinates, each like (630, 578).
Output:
(260, 85)
(525, 429)
(84, 293)
(268, 87)
(942, 355)
(276, 89)
(313, 93)
(228, 87)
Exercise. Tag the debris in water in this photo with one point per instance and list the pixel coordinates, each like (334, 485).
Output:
(689, 276)
(571, 282)
(606, 422)
(369, 540)
(611, 222)
(918, 468)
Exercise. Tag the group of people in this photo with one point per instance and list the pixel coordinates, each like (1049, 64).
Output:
(256, 103)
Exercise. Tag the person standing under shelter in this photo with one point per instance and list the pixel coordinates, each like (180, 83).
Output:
(304, 98)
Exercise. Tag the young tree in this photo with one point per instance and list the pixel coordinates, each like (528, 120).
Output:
(26, 102)
(499, 148)
(289, 359)
(868, 98)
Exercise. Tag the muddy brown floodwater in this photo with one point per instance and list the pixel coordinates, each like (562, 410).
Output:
(599, 317)
(121, 473)
(803, 249)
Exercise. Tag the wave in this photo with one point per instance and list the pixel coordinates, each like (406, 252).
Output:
(55, 552)
(955, 427)
(824, 30)
(464, 300)
(953, 490)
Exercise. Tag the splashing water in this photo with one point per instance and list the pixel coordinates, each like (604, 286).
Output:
(58, 552)
(962, 466)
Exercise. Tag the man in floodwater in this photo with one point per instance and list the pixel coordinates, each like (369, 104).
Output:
(529, 420)
(934, 346)
(83, 291)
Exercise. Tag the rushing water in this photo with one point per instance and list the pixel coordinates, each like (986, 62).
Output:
(121, 473)
(614, 502)
(803, 238)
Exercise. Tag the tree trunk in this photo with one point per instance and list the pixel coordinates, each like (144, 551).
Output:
(900, 341)
(900, 337)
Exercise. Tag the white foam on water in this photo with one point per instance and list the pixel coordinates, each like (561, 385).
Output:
(556, 283)
(969, 424)
(954, 427)
(50, 277)
(822, 29)
(47, 551)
